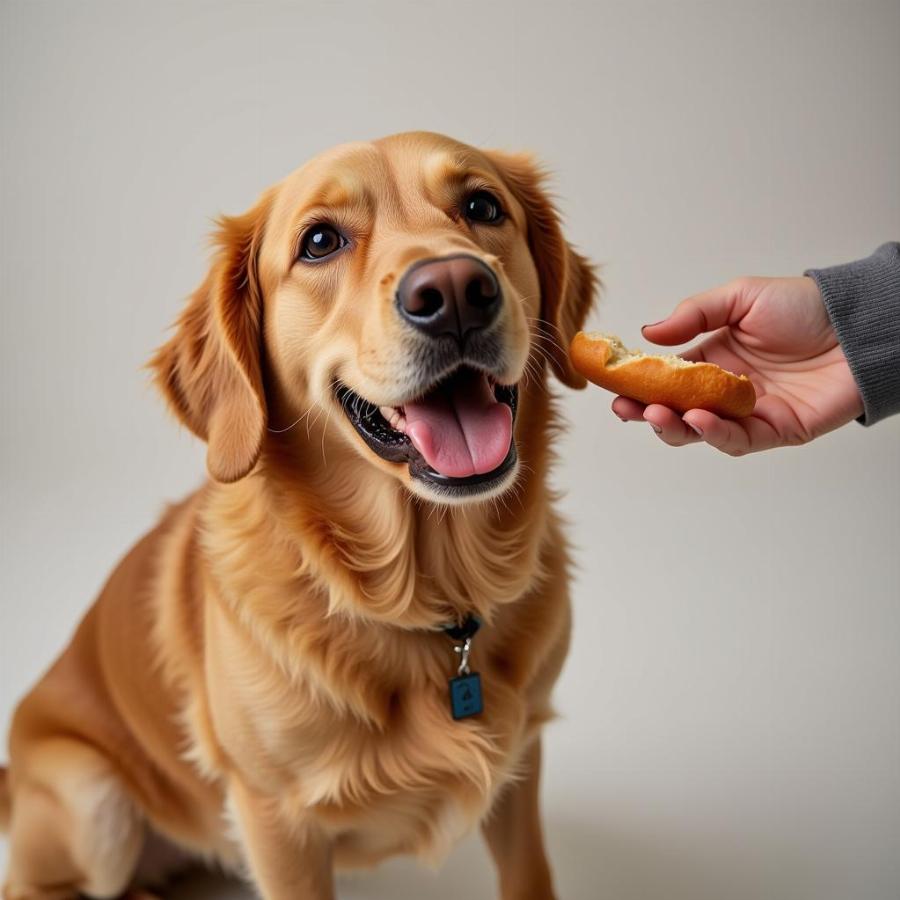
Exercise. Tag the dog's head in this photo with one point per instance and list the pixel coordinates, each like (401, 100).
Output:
(402, 286)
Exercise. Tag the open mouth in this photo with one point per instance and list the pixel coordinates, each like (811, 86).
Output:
(458, 435)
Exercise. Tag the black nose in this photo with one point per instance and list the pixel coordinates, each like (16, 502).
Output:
(451, 295)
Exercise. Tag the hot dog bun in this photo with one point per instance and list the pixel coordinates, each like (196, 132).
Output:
(669, 380)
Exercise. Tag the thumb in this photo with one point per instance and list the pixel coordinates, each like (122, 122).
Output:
(724, 305)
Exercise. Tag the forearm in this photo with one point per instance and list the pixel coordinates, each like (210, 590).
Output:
(863, 303)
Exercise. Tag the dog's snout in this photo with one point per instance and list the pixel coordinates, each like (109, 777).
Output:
(450, 295)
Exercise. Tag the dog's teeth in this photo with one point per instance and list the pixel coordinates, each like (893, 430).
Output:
(394, 417)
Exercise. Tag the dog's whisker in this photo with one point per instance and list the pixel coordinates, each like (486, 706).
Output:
(311, 423)
(547, 332)
(324, 431)
(289, 427)
(530, 371)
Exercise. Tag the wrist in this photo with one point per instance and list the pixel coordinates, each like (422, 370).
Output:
(862, 301)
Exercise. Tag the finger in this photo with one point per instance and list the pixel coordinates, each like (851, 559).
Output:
(668, 426)
(628, 410)
(736, 437)
(694, 354)
(724, 305)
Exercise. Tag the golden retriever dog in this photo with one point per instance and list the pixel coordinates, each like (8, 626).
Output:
(280, 678)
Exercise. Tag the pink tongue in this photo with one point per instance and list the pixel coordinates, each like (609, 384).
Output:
(461, 429)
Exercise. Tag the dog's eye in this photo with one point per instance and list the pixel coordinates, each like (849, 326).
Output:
(321, 241)
(483, 206)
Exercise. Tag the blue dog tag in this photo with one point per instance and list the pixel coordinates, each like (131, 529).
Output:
(465, 696)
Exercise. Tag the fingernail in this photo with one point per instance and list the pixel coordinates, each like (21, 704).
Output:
(652, 324)
(656, 428)
(621, 419)
(696, 428)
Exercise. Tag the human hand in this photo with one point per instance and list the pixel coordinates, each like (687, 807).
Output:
(777, 332)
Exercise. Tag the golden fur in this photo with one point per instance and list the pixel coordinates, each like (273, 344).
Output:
(263, 681)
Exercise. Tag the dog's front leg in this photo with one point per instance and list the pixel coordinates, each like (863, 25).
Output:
(288, 861)
(513, 834)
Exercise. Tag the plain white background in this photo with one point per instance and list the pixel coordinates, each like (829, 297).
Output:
(730, 714)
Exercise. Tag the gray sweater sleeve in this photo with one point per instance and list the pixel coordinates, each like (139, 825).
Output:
(863, 303)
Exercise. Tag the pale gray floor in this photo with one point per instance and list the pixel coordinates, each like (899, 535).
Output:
(730, 713)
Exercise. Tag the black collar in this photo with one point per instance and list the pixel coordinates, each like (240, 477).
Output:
(463, 630)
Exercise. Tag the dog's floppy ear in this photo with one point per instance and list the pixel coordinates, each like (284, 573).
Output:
(209, 371)
(568, 281)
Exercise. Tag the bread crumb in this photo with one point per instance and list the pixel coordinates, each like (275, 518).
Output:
(620, 354)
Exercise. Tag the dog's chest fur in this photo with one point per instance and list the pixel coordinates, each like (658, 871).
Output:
(347, 719)
(384, 770)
